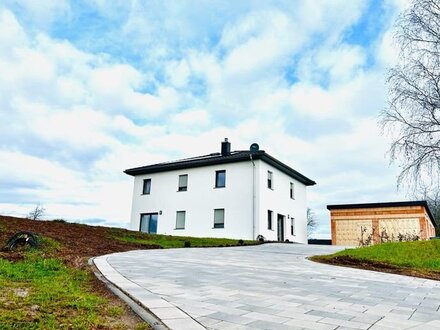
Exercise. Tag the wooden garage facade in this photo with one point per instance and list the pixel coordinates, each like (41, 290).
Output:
(374, 223)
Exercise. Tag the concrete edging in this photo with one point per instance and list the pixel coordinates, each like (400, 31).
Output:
(158, 312)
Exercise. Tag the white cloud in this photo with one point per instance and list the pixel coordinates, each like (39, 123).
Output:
(42, 12)
(73, 118)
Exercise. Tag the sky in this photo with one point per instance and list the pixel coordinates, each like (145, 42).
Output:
(91, 88)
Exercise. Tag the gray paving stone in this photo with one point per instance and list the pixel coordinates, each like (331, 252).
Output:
(207, 321)
(425, 317)
(267, 325)
(305, 324)
(270, 285)
(243, 320)
(331, 315)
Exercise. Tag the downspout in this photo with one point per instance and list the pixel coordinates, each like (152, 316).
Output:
(253, 197)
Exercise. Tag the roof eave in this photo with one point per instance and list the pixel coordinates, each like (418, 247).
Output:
(261, 154)
(287, 169)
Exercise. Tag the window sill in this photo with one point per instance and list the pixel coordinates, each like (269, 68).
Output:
(270, 188)
(219, 187)
(181, 190)
(218, 227)
(144, 194)
(179, 228)
(270, 229)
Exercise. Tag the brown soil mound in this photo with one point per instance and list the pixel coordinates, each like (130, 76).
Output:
(376, 266)
(79, 242)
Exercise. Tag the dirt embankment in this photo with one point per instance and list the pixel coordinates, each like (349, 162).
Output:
(348, 261)
(78, 242)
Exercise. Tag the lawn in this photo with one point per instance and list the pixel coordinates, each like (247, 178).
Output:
(419, 258)
(54, 288)
(41, 292)
(167, 242)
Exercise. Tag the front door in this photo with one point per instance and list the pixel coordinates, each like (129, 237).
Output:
(148, 223)
(280, 226)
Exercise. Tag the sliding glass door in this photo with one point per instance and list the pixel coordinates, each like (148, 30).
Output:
(149, 223)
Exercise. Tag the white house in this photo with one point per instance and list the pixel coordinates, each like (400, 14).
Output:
(231, 194)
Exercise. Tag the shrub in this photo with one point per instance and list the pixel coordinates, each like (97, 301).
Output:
(240, 242)
(187, 244)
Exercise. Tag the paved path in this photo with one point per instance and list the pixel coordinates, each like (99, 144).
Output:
(272, 286)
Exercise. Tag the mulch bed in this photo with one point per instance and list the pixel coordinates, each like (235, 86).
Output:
(348, 261)
(79, 242)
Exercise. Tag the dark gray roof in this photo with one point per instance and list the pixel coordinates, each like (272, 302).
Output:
(385, 204)
(217, 158)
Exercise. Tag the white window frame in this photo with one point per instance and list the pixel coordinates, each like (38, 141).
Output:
(219, 224)
(182, 187)
(179, 226)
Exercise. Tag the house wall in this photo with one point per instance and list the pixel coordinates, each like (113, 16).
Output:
(199, 201)
(278, 200)
(352, 227)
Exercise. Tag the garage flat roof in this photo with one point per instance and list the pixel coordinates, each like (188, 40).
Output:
(385, 204)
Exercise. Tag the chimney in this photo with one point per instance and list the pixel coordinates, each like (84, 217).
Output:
(226, 147)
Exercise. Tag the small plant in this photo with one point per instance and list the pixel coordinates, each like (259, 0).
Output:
(384, 236)
(408, 237)
(37, 213)
(365, 241)
(59, 220)
(260, 238)
(240, 242)
(115, 311)
(187, 244)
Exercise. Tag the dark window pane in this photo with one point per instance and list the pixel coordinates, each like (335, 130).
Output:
(219, 218)
(147, 186)
(220, 179)
(153, 224)
(148, 223)
(183, 182)
(269, 219)
(145, 223)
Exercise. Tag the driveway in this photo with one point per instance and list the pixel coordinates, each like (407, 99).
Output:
(270, 286)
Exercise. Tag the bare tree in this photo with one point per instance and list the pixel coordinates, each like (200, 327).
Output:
(432, 197)
(312, 222)
(413, 115)
(37, 213)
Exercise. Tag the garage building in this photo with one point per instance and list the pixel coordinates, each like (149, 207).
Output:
(374, 223)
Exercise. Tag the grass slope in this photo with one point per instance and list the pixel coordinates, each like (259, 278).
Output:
(53, 288)
(420, 258)
(167, 242)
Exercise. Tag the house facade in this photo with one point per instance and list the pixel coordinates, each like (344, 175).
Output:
(231, 194)
(374, 223)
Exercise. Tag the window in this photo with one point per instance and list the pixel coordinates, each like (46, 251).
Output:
(269, 219)
(180, 219)
(219, 218)
(148, 223)
(220, 179)
(292, 226)
(147, 187)
(183, 182)
(269, 179)
(292, 190)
